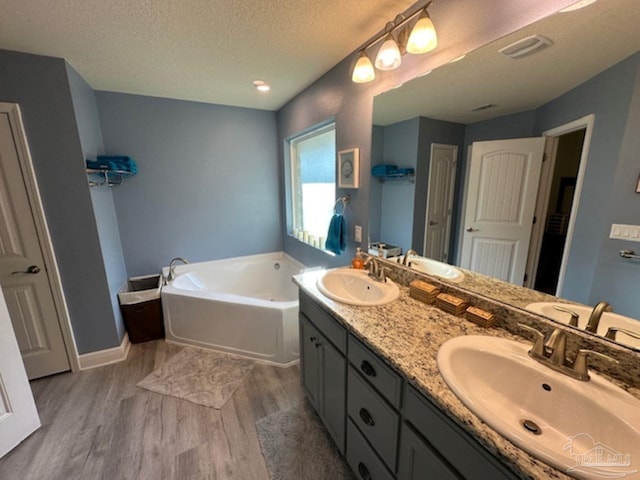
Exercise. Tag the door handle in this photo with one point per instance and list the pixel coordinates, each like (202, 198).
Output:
(472, 230)
(431, 222)
(32, 269)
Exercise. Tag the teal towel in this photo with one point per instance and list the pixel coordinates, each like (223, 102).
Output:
(336, 237)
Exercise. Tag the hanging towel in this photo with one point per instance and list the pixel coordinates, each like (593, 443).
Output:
(336, 237)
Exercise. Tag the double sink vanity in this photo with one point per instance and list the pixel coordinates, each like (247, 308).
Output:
(409, 391)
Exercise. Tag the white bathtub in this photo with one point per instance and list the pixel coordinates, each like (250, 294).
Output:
(246, 306)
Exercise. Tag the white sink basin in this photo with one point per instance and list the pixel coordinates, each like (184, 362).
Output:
(608, 319)
(437, 269)
(497, 380)
(355, 287)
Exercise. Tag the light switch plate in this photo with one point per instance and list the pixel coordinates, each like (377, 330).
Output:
(630, 233)
(357, 234)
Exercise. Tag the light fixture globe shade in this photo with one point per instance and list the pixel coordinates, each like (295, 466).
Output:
(423, 37)
(363, 71)
(388, 57)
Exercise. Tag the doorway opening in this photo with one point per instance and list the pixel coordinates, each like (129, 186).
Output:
(567, 151)
(560, 202)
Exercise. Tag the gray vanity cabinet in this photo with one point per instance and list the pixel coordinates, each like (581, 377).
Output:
(431, 444)
(324, 367)
(385, 427)
(418, 460)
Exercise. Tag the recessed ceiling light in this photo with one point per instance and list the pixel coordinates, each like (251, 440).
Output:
(261, 86)
(577, 5)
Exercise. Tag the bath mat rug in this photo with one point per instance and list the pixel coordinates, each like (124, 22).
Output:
(199, 376)
(296, 446)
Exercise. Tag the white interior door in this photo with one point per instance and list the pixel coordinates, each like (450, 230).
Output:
(442, 176)
(501, 197)
(23, 275)
(18, 414)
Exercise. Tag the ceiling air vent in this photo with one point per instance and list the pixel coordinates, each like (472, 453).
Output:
(526, 46)
(484, 107)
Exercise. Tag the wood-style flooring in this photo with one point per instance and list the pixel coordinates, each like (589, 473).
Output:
(98, 425)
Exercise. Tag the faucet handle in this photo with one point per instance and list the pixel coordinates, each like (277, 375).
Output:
(382, 274)
(611, 333)
(581, 364)
(538, 346)
(574, 316)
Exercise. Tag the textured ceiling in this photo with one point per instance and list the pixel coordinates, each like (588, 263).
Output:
(203, 50)
(586, 42)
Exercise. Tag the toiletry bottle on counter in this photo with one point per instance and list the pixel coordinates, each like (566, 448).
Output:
(357, 261)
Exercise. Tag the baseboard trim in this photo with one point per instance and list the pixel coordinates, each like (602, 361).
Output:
(106, 357)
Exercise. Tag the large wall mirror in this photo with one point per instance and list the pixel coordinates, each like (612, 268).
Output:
(522, 165)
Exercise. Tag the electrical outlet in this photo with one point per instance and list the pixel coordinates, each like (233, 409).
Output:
(357, 235)
(625, 232)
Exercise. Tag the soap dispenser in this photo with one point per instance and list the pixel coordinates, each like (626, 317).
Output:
(357, 261)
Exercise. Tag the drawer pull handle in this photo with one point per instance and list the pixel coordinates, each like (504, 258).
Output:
(318, 344)
(368, 369)
(366, 417)
(312, 339)
(364, 471)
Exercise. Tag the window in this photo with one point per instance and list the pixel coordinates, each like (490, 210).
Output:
(312, 185)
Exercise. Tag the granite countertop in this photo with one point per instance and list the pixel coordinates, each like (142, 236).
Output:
(407, 335)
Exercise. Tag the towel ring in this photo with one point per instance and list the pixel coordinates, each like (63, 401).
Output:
(345, 201)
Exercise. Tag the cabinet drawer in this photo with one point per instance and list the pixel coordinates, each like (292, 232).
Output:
(331, 329)
(362, 459)
(383, 378)
(375, 418)
(467, 456)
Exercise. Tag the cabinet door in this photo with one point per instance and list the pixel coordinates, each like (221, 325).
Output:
(333, 373)
(418, 461)
(310, 342)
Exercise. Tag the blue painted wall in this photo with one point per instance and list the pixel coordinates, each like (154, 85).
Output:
(90, 132)
(208, 183)
(616, 279)
(41, 87)
(375, 192)
(608, 96)
(396, 209)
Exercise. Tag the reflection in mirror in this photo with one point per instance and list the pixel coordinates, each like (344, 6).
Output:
(477, 131)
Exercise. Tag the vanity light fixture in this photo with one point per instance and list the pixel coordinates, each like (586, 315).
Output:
(423, 37)
(397, 39)
(363, 72)
(388, 57)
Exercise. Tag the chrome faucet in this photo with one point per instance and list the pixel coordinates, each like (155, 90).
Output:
(172, 266)
(405, 260)
(550, 351)
(596, 313)
(376, 271)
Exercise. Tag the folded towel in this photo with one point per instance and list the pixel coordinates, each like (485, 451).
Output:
(119, 162)
(97, 165)
(336, 237)
(382, 170)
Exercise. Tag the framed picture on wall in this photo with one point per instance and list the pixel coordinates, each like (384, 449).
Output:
(349, 168)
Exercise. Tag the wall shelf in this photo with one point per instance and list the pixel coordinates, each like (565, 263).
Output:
(111, 178)
(401, 177)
